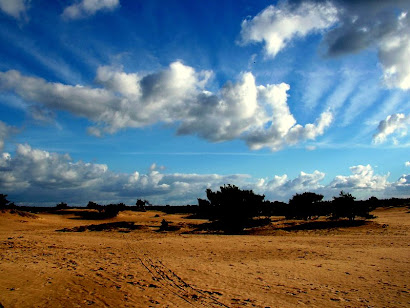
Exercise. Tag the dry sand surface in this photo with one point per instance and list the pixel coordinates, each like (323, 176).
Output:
(363, 266)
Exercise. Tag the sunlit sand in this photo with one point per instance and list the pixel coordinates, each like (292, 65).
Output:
(127, 262)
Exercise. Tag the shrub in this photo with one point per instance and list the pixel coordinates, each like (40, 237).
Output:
(305, 206)
(345, 206)
(61, 206)
(94, 206)
(232, 207)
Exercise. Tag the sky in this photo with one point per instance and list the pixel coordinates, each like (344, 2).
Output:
(119, 100)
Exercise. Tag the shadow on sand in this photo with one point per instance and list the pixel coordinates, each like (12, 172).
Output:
(321, 225)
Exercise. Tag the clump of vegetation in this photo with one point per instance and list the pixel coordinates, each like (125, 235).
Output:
(164, 225)
(62, 206)
(345, 206)
(121, 226)
(305, 206)
(231, 207)
(6, 204)
(112, 210)
(140, 205)
(105, 211)
(94, 206)
(310, 205)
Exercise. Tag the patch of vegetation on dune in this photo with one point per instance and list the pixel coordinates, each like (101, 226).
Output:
(121, 226)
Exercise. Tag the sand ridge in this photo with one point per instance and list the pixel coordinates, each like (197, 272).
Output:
(362, 266)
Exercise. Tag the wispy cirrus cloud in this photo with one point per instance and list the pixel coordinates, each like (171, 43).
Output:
(5, 132)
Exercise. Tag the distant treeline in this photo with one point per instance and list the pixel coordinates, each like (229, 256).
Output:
(234, 209)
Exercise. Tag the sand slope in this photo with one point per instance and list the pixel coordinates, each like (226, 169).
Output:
(363, 266)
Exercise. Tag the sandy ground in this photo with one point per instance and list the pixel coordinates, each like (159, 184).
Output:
(363, 266)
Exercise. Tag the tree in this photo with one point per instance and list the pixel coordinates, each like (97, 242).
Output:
(232, 207)
(305, 206)
(344, 206)
(140, 204)
(6, 204)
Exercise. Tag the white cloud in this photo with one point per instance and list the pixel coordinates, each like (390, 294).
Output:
(33, 176)
(15, 8)
(363, 183)
(277, 25)
(284, 132)
(283, 188)
(394, 52)
(407, 163)
(404, 183)
(86, 8)
(36, 168)
(395, 123)
(177, 95)
(362, 177)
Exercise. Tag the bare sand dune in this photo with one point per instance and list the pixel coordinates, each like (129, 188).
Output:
(123, 266)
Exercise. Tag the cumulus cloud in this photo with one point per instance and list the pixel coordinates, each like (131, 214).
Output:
(407, 163)
(15, 8)
(404, 182)
(284, 188)
(177, 95)
(395, 123)
(277, 25)
(34, 176)
(364, 182)
(41, 169)
(362, 177)
(84, 8)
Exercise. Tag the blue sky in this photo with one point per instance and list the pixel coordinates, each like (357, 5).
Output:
(115, 100)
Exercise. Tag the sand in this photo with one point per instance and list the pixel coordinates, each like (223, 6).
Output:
(363, 266)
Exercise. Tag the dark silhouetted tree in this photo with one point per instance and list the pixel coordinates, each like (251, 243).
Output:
(204, 208)
(61, 206)
(6, 204)
(305, 206)
(232, 207)
(140, 205)
(344, 206)
(276, 208)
